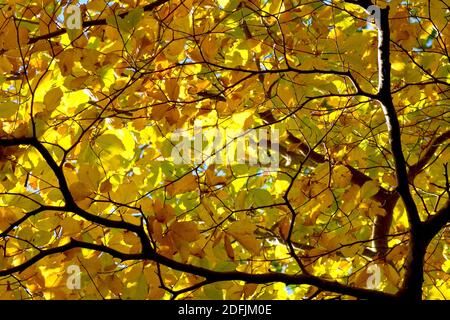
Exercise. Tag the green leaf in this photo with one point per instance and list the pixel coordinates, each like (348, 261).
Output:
(134, 16)
(126, 24)
(8, 109)
(110, 143)
(137, 290)
(261, 197)
(212, 293)
(369, 189)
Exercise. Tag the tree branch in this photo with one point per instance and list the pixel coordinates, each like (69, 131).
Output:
(91, 23)
(393, 125)
(73, 244)
(70, 204)
(26, 216)
(437, 221)
(209, 275)
(416, 168)
(413, 280)
(16, 142)
(326, 285)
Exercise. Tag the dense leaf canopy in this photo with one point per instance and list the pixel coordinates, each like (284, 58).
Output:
(356, 206)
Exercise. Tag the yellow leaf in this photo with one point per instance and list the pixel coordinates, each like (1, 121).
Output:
(52, 98)
(47, 224)
(172, 116)
(185, 230)
(209, 48)
(249, 289)
(369, 189)
(8, 109)
(212, 179)
(199, 86)
(163, 212)
(174, 48)
(185, 184)
(350, 198)
(240, 199)
(391, 274)
(147, 205)
(349, 251)
(275, 6)
(223, 3)
(5, 65)
(110, 143)
(398, 66)
(106, 186)
(90, 176)
(113, 283)
(285, 93)
(172, 88)
(377, 211)
(446, 266)
(79, 190)
(154, 228)
(7, 216)
(228, 247)
(240, 117)
(284, 226)
(233, 293)
(243, 226)
(70, 226)
(154, 284)
(243, 231)
(67, 60)
(341, 176)
(159, 111)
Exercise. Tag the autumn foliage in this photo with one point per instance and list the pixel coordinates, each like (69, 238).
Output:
(88, 119)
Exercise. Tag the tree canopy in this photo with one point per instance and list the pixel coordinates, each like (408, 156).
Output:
(354, 98)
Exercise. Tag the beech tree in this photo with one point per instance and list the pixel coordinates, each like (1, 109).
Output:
(96, 97)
